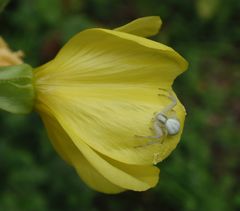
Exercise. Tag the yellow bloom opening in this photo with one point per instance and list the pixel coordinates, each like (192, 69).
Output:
(7, 57)
(100, 94)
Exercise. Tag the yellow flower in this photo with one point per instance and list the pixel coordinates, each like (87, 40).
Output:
(7, 57)
(99, 95)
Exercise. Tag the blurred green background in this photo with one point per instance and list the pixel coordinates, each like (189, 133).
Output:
(203, 172)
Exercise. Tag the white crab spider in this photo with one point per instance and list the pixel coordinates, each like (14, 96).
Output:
(164, 125)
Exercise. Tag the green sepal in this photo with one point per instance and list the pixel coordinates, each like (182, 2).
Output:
(16, 89)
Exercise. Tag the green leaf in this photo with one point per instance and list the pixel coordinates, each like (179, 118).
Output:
(3, 4)
(16, 89)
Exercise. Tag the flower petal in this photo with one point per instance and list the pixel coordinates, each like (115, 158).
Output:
(69, 152)
(109, 122)
(143, 27)
(105, 56)
(7, 57)
(99, 172)
(137, 178)
(103, 87)
(93, 178)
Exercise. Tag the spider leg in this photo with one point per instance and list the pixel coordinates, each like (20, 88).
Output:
(165, 134)
(164, 90)
(149, 144)
(158, 129)
(171, 105)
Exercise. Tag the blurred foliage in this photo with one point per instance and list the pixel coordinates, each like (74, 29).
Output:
(3, 4)
(203, 172)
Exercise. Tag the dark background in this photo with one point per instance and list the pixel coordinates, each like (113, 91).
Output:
(202, 173)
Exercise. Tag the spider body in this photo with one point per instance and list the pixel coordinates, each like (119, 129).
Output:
(163, 125)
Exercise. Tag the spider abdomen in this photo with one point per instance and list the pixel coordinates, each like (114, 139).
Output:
(172, 126)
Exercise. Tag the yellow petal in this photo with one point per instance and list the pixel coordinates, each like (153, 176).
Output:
(144, 27)
(137, 178)
(58, 138)
(106, 92)
(100, 172)
(3, 44)
(109, 122)
(7, 57)
(69, 152)
(105, 56)
(93, 178)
